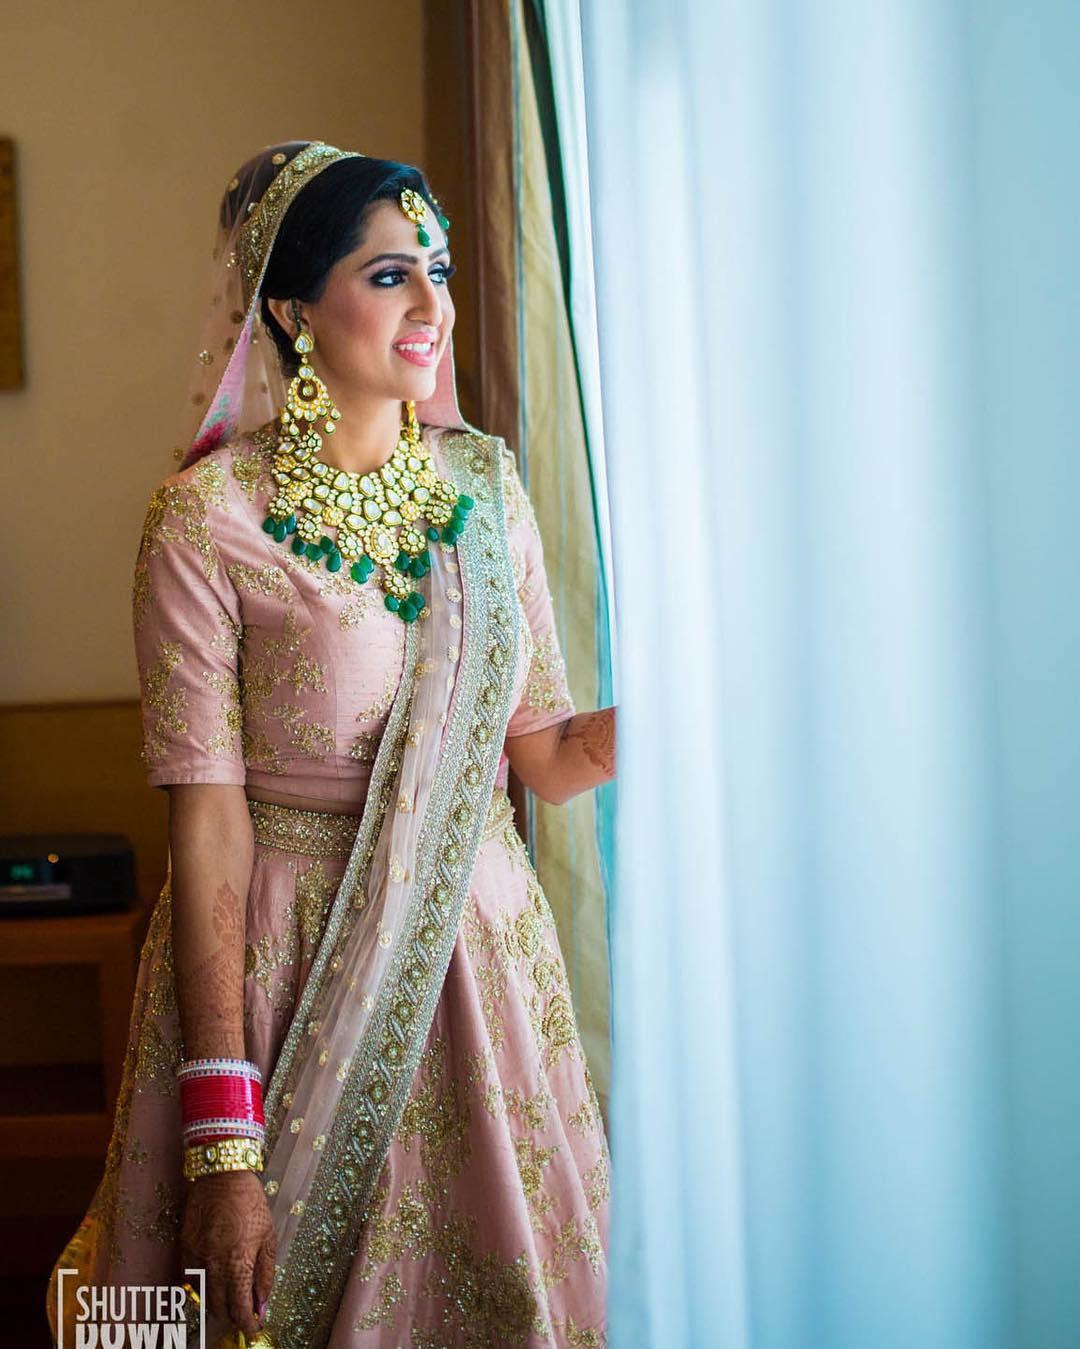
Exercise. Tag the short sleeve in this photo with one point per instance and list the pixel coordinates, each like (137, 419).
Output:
(545, 697)
(187, 630)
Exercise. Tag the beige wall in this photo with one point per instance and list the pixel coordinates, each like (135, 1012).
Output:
(128, 120)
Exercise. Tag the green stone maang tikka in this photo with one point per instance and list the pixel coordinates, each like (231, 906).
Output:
(415, 207)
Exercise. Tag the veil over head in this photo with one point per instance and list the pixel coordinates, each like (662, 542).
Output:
(237, 384)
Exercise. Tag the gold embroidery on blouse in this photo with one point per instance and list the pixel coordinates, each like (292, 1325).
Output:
(141, 591)
(251, 467)
(357, 610)
(277, 660)
(225, 741)
(228, 641)
(516, 504)
(546, 688)
(365, 747)
(385, 700)
(164, 708)
(269, 580)
(177, 510)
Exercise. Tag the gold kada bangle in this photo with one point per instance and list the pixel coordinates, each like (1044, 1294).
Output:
(224, 1154)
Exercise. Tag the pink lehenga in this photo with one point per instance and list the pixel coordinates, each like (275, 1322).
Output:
(437, 1165)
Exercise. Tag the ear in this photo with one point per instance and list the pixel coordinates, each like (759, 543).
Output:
(282, 311)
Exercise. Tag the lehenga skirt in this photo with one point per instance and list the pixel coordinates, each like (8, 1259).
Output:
(489, 1221)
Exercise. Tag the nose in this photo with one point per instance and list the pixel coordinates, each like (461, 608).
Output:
(427, 302)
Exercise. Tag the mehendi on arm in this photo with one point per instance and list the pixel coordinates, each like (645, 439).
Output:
(573, 756)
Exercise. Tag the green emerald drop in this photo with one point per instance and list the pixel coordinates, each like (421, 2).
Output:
(290, 524)
(299, 546)
(327, 545)
(392, 603)
(333, 562)
(423, 238)
(314, 551)
(280, 532)
(433, 533)
(269, 524)
(466, 501)
(358, 574)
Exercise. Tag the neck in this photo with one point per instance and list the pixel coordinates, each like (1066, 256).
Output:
(367, 434)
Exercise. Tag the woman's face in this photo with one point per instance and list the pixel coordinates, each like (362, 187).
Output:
(385, 315)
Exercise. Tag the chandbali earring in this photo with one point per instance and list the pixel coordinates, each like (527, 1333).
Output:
(308, 399)
(415, 207)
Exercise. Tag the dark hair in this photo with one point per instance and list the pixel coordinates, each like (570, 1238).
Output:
(323, 224)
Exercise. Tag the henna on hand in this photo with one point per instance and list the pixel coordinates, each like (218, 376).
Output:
(228, 1230)
(209, 990)
(593, 733)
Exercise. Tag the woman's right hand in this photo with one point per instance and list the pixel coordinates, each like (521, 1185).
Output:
(229, 1232)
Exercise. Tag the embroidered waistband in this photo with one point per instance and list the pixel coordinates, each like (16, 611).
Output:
(312, 833)
(322, 833)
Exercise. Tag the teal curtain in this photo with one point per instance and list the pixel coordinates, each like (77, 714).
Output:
(837, 285)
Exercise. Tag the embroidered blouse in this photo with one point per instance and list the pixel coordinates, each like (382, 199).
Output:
(260, 667)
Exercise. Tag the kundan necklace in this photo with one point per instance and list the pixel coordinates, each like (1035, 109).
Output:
(384, 518)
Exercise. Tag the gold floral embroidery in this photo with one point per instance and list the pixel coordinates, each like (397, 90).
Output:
(226, 739)
(177, 510)
(517, 507)
(251, 468)
(558, 1028)
(581, 1337)
(314, 892)
(385, 700)
(434, 1115)
(268, 662)
(572, 1242)
(357, 610)
(365, 748)
(269, 580)
(157, 1058)
(491, 979)
(485, 1301)
(391, 1295)
(597, 1181)
(546, 688)
(162, 1224)
(531, 1162)
(168, 706)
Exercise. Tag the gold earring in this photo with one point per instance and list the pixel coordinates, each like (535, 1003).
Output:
(307, 400)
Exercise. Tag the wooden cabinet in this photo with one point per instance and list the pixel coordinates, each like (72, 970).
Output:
(65, 1109)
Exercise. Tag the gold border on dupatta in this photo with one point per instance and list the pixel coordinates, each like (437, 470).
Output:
(306, 1297)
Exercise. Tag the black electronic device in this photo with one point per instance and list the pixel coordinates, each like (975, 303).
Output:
(48, 875)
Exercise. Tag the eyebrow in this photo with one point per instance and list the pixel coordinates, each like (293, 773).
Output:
(401, 257)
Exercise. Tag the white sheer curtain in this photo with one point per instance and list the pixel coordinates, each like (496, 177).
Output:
(818, 360)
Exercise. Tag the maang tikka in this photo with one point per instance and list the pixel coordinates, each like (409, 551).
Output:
(376, 518)
(415, 207)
